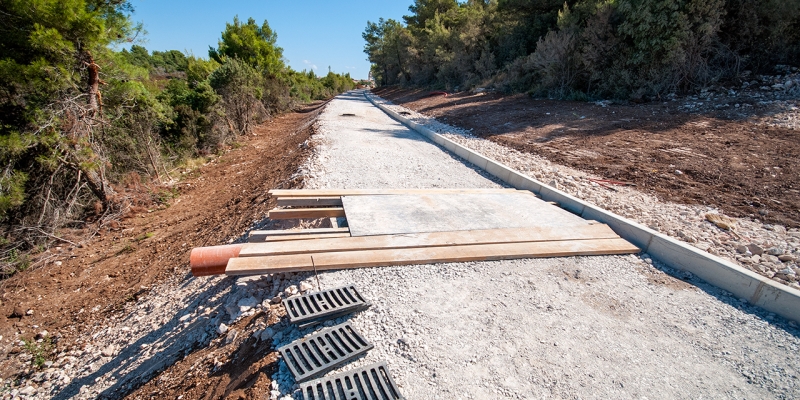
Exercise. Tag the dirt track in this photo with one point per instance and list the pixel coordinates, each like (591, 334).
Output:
(725, 160)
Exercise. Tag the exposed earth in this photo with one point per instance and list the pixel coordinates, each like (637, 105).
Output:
(79, 288)
(124, 318)
(737, 150)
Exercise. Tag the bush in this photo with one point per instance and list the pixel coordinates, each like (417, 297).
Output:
(635, 49)
(241, 88)
(554, 63)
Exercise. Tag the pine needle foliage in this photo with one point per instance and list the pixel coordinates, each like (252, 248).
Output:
(629, 49)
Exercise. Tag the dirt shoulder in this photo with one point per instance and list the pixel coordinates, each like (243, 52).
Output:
(730, 156)
(82, 286)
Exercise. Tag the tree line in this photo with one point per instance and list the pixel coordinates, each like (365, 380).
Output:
(580, 49)
(78, 117)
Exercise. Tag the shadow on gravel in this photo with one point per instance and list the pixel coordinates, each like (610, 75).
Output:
(351, 96)
(196, 333)
(399, 133)
(764, 317)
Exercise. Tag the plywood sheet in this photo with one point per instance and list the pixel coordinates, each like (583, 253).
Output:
(417, 213)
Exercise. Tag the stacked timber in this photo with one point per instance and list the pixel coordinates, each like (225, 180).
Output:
(333, 248)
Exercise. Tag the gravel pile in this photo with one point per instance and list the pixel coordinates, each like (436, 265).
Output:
(769, 250)
(773, 97)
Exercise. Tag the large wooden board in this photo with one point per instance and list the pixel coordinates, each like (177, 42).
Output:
(395, 214)
(432, 239)
(375, 192)
(424, 255)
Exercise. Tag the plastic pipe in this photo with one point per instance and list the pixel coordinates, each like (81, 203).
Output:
(212, 260)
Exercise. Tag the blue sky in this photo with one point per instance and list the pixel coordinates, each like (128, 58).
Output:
(313, 33)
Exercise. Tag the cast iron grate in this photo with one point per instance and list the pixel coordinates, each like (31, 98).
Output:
(323, 351)
(373, 382)
(310, 309)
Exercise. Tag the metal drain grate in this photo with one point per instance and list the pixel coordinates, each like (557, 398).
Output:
(372, 382)
(323, 351)
(310, 309)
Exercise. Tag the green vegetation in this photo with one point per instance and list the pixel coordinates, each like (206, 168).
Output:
(143, 237)
(635, 49)
(40, 351)
(78, 116)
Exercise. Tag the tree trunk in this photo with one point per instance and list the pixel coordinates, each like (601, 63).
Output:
(93, 83)
(95, 178)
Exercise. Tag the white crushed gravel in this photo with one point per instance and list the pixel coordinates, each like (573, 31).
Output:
(597, 327)
(769, 250)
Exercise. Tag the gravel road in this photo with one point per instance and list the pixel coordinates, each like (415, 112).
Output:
(579, 327)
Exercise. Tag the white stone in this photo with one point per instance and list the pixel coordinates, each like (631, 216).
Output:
(222, 329)
(109, 351)
(248, 302)
(291, 290)
(267, 334)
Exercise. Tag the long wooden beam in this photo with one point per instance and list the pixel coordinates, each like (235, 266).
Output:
(300, 213)
(369, 192)
(308, 231)
(424, 255)
(305, 237)
(260, 236)
(309, 201)
(432, 239)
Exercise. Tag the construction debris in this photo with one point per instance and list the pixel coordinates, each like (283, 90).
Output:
(314, 308)
(366, 383)
(323, 351)
(400, 227)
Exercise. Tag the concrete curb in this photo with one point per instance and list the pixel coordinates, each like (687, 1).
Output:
(765, 293)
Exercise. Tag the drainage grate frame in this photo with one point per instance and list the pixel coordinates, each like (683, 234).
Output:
(372, 382)
(313, 356)
(313, 308)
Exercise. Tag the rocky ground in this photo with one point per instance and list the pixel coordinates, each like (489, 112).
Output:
(564, 328)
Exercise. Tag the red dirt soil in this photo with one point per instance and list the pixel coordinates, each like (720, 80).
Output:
(240, 369)
(214, 203)
(742, 167)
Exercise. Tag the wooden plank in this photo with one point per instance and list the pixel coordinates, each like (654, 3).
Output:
(260, 236)
(309, 201)
(300, 213)
(365, 192)
(309, 231)
(433, 239)
(424, 255)
(305, 237)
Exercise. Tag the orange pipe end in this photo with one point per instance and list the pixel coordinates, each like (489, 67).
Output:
(212, 260)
